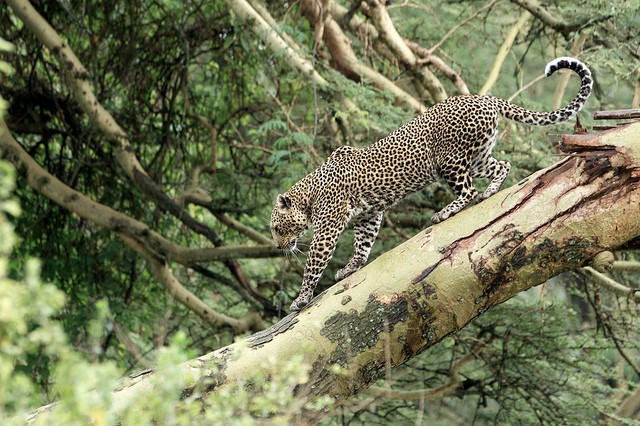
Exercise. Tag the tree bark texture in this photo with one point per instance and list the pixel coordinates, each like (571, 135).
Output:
(431, 286)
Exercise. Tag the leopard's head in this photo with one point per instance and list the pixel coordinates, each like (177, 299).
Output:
(288, 222)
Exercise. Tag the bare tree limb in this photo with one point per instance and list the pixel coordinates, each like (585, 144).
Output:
(163, 274)
(79, 81)
(557, 24)
(126, 341)
(626, 266)
(404, 54)
(243, 229)
(82, 91)
(152, 246)
(48, 185)
(619, 114)
(274, 41)
(526, 86)
(438, 393)
(369, 34)
(615, 286)
(503, 52)
(449, 33)
(428, 58)
(345, 59)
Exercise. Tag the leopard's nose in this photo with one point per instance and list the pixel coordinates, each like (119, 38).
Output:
(278, 246)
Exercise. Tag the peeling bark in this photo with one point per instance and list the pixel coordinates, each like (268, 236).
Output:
(415, 295)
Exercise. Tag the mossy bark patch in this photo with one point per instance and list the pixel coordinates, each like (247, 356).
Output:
(355, 332)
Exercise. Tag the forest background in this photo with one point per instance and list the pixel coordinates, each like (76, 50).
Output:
(169, 127)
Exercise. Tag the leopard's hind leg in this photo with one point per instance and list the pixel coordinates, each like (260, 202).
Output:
(458, 176)
(494, 169)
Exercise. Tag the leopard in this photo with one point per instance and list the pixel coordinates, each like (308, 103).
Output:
(452, 140)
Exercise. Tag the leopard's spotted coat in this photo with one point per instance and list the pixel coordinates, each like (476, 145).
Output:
(452, 140)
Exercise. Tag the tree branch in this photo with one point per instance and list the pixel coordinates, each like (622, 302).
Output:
(243, 229)
(48, 185)
(388, 33)
(163, 274)
(152, 246)
(345, 59)
(78, 79)
(438, 393)
(449, 33)
(557, 24)
(503, 52)
(274, 41)
(615, 286)
(428, 58)
(627, 266)
(555, 220)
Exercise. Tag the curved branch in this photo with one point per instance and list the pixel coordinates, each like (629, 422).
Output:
(51, 187)
(415, 395)
(428, 58)
(557, 24)
(461, 24)
(416, 60)
(274, 42)
(138, 236)
(503, 51)
(626, 266)
(614, 285)
(163, 274)
(404, 54)
(78, 79)
(243, 229)
(345, 59)
(445, 390)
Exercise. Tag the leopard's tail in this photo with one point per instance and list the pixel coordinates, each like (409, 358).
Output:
(522, 115)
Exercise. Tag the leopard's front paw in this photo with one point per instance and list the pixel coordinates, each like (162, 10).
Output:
(437, 218)
(300, 303)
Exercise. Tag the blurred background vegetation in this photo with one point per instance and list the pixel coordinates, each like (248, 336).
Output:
(208, 104)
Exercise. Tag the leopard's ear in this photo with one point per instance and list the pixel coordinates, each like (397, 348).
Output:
(283, 202)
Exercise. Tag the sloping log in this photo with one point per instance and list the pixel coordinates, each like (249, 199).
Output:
(431, 286)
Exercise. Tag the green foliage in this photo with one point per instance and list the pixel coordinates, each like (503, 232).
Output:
(5, 70)
(28, 329)
(268, 396)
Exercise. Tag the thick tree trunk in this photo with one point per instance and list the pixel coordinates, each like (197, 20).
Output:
(412, 297)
